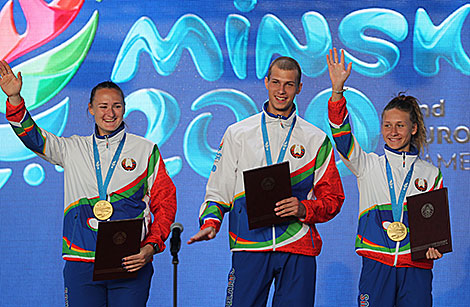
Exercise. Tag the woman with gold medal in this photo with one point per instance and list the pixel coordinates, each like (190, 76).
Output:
(135, 185)
(389, 277)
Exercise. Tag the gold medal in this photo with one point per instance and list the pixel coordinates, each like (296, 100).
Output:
(103, 210)
(396, 231)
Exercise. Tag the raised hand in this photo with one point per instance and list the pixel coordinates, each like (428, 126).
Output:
(10, 84)
(338, 72)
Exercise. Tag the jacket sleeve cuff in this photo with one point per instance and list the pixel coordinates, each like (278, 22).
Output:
(309, 215)
(161, 245)
(337, 111)
(15, 113)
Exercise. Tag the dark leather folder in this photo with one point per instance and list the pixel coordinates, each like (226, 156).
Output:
(264, 187)
(428, 218)
(116, 240)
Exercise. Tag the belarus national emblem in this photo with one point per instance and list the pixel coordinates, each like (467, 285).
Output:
(427, 210)
(421, 184)
(297, 151)
(128, 164)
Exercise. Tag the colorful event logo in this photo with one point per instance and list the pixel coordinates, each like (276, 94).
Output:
(45, 75)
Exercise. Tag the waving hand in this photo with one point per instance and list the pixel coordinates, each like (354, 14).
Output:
(338, 73)
(10, 84)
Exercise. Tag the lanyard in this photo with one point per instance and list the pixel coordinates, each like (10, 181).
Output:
(397, 207)
(267, 148)
(102, 188)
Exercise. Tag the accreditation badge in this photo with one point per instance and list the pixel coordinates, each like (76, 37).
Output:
(103, 210)
(396, 231)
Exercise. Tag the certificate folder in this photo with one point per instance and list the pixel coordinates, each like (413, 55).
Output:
(428, 217)
(264, 187)
(116, 240)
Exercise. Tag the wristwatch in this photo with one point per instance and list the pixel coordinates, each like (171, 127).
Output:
(156, 249)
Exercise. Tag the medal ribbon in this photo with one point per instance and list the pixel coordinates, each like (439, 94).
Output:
(103, 188)
(267, 148)
(397, 207)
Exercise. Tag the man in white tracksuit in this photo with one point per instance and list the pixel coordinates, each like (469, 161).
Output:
(284, 252)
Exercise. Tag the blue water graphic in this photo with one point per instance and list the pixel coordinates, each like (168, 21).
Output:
(189, 32)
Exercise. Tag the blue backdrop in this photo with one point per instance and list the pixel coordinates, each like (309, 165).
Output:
(189, 69)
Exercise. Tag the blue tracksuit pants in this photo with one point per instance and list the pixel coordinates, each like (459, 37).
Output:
(252, 273)
(81, 290)
(382, 285)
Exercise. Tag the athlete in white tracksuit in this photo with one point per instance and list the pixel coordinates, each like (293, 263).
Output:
(139, 187)
(283, 252)
(389, 277)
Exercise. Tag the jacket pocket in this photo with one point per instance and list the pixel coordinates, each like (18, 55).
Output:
(361, 233)
(75, 220)
(238, 226)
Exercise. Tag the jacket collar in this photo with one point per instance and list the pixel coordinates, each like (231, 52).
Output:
(286, 121)
(401, 158)
(116, 136)
(413, 151)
